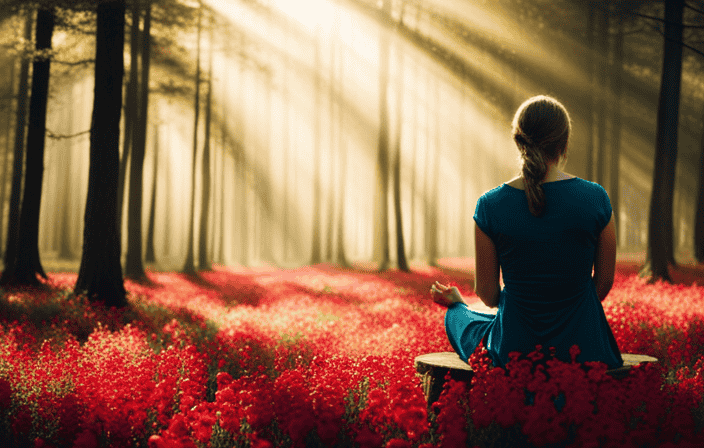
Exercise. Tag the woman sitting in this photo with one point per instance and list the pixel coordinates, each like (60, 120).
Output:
(546, 230)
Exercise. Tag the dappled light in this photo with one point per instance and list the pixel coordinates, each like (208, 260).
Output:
(242, 205)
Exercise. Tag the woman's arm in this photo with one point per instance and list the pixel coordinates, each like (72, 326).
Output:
(605, 260)
(486, 275)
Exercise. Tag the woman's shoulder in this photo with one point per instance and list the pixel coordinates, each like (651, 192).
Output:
(517, 182)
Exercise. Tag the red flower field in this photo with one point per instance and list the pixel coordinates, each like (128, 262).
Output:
(320, 356)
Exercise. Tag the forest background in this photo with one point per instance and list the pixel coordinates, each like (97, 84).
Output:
(187, 133)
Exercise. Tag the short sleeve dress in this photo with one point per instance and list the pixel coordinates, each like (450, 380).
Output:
(549, 297)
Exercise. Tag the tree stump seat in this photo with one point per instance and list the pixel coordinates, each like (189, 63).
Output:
(433, 367)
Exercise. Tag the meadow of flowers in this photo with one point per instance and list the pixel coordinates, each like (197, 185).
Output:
(320, 356)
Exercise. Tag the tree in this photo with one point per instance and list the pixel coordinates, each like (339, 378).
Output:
(134, 268)
(6, 159)
(131, 105)
(100, 274)
(381, 233)
(660, 232)
(150, 256)
(396, 167)
(203, 261)
(13, 224)
(699, 220)
(24, 268)
(316, 256)
(189, 266)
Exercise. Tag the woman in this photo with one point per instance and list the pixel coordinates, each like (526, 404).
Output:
(546, 229)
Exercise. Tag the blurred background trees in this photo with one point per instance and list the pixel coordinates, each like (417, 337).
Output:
(345, 131)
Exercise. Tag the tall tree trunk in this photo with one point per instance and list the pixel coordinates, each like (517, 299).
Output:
(223, 150)
(400, 246)
(381, 233)
(27, 264)
(591, 73)
(433, 230)
(203, 261)
(8, 148)
(699, 217)
(189, 267)
(150, 255)
(660, 233)
(464, 168)
(64, 190)
(617, 89)
(134, 268)
(100, 274)
(131, 107)
(414, 144)
(243, 161)
(13, 222)
(342, 145)
(329, 241)
(316, 256)
(602, 89)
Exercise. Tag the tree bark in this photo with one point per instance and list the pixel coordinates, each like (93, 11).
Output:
(400, 246)
(589, 106)
(189, 267)
(331, 171)
(602, 88)
(381, 234)
(660, 232)
(131, 108)
(699, 217)
(134, 268)
(150, 255)
(617, 89)
(203, 261)
(6, 159)
(13, 222)
(433, 228)
(23, 270)
(341, 254)
(316, 257)
(100, 274)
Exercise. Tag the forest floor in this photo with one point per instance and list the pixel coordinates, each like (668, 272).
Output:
(686, 272)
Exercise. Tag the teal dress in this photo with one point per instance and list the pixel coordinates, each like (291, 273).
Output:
(549, 297)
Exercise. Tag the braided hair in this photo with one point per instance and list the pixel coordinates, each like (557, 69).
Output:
(541, 130)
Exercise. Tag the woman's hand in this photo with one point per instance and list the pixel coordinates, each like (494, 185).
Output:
(445, 295)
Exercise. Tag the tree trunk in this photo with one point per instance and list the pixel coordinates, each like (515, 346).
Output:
(131, 107)
(100, 274)
(589, 106)
(699, 217)
(433, 229)
(6, 159)
(381, 233)
(414, 144)
(602, 88)
(150, 255)
(329, 253)
(400, 246)
(24, 268)
(203, 261)
(189, 267)
(617, 89)
(315, 257)
(13, 222)
(341, 254)
(660, 233)
(134, 268)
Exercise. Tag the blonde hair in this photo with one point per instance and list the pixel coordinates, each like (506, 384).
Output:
(541, 130)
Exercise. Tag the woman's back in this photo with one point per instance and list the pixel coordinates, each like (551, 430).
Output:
(549, 297)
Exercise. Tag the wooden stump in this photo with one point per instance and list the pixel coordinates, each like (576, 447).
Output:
(433, 367)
